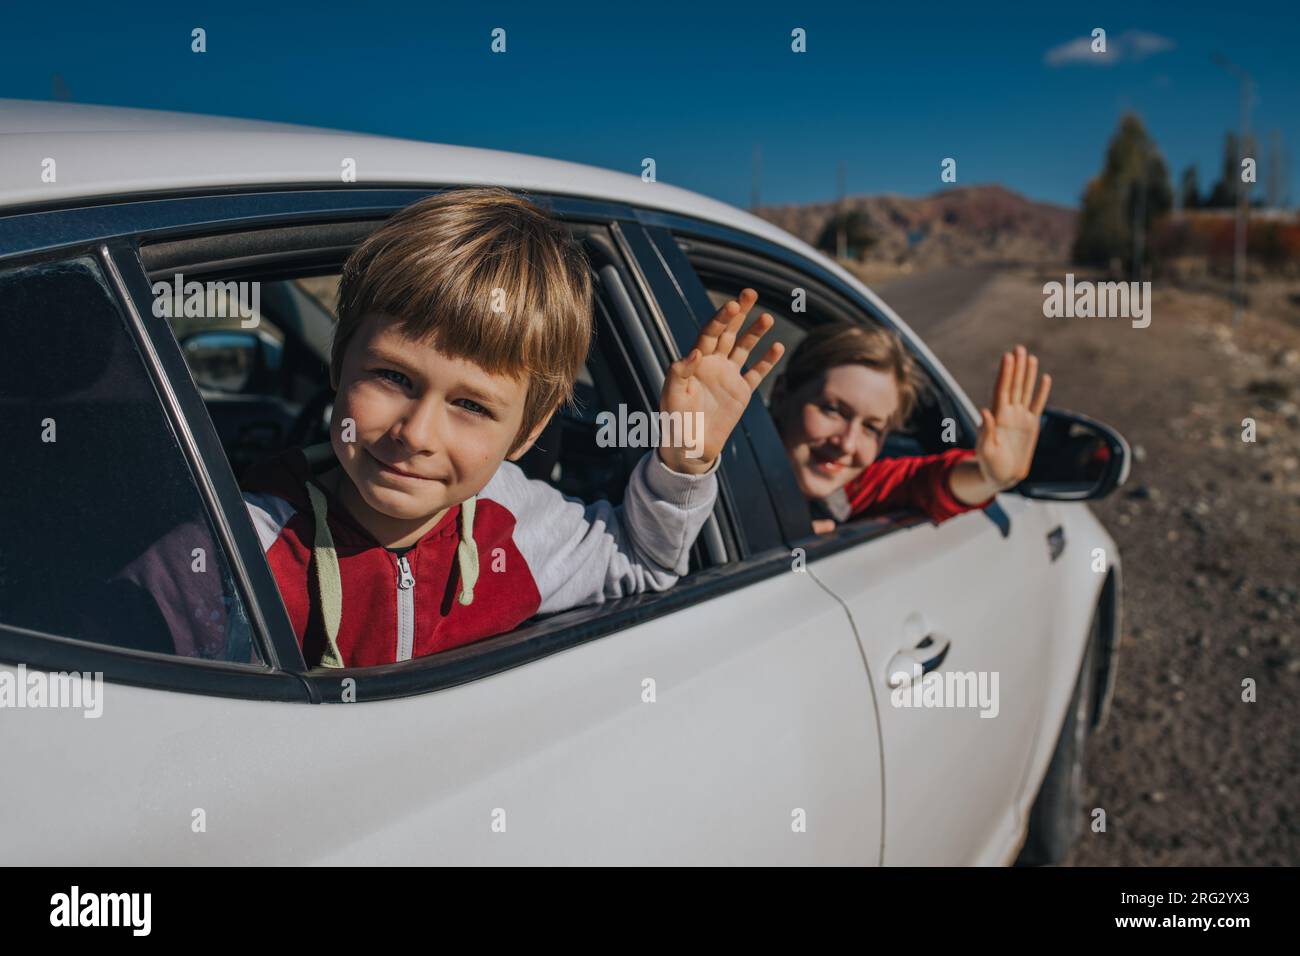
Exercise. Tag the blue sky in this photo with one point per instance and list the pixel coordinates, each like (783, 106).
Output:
(890, 90)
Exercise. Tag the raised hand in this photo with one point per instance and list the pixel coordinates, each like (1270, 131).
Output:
(1008, 433)
(710, 381)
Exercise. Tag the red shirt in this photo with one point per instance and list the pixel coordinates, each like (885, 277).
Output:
(918, 483)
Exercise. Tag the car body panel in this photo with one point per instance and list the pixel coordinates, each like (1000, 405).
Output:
(953, 776)
(585, 768)
(1076, 591)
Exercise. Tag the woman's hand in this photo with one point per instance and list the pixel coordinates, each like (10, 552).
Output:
(1008, 434)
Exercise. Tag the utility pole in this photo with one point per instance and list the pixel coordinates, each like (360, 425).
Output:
(1140, 219)
(841, 237)
(1239, 244)
(1273, 188)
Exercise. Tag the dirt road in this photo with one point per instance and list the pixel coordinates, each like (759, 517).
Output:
(1209, 529)
(928, 300)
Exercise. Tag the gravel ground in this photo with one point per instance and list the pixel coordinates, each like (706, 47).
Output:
(1209, 528)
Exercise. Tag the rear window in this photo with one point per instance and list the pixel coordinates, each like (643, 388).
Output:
(101, 522)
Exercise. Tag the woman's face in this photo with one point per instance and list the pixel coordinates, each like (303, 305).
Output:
(834, 426)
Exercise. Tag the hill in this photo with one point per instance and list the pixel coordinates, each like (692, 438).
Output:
(951, 227)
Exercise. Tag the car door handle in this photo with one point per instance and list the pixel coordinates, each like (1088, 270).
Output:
(912, 664)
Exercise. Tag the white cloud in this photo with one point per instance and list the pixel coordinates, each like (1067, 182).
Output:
(1075, 51)
(1140, 44)
(1130, 45)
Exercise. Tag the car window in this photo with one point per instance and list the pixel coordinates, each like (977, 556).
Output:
(258, 352)
(99, 511)
(787, 331)
(568, 454)
(933, 425)
(921, 434)
(572, 454)
(323, 289)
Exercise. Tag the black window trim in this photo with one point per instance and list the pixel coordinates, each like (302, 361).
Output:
(87, 223)
(207, 459)
(759, 510)
(39, 650)
(725, 539)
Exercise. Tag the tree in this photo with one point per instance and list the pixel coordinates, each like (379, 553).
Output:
(1121, 203)
(858, 234)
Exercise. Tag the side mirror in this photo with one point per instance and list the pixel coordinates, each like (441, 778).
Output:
(228, 361)
(221, 361)
(1077, 459)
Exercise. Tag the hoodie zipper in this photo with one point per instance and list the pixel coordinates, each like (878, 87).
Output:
(405, 610)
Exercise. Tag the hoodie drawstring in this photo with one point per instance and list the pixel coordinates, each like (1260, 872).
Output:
(330, 582)
(327, 577)
(467, 552)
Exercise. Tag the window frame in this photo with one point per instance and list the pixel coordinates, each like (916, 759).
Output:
(266, 680)
(122, 231)
(752, 251)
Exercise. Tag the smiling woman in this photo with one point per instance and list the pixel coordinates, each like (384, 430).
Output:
(844, 388)
(847, 387)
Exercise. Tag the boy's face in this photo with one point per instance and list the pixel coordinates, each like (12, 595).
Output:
(834, 427)
(431, 430)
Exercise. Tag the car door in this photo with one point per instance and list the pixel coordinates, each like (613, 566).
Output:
(970, 601)
(973, 605)
(728, 720)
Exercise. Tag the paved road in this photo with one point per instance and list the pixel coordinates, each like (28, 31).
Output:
(928, 300)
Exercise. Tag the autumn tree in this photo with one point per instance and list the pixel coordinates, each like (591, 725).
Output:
(1121, 203)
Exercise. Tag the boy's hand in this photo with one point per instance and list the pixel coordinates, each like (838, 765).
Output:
(708, 388)
(1004, 449)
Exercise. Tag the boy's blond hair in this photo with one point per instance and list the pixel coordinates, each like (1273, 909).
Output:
(843, 343)
(480, 274)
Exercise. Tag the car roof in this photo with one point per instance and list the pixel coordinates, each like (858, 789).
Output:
(108, 152)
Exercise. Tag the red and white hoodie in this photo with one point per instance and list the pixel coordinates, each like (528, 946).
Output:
(522, 548)
(917, 483)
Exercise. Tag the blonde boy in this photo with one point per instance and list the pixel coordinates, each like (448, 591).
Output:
(463, 323)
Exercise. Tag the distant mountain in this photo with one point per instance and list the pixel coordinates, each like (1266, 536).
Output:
(951, 227)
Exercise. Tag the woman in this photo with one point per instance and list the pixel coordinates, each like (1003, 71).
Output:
(845, 387)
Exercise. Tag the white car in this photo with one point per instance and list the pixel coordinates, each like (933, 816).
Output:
(751, 714)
